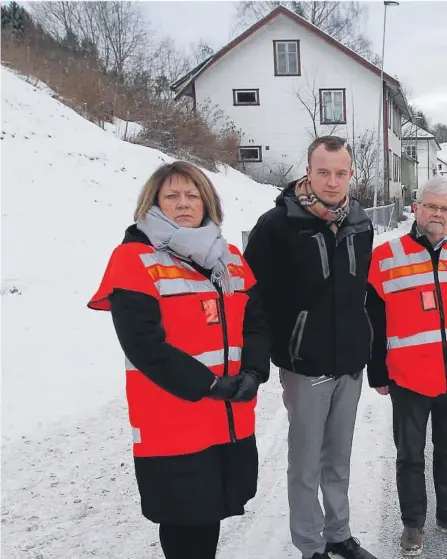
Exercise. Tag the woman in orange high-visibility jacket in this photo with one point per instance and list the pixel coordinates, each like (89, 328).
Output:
(186, 312)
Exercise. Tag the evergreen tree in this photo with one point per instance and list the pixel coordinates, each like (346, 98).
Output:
(15, 19)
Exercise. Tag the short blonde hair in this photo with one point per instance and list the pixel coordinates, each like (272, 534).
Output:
(149, 194)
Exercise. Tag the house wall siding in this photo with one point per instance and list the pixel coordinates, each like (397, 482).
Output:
(280, 124)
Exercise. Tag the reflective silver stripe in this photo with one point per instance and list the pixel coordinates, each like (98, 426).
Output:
(215, 358)
(166, 259)
(235, 259)
(443, 254)
(237, 284)
(323, 254)
(351, 255)
(412, 281)
(234, 353)
(209, 358)
(416, 339)
(149, 259)
(129, 366)
(136, 435)
(399, 257)
(179, 285)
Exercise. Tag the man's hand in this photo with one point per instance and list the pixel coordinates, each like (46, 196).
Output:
(383, 390)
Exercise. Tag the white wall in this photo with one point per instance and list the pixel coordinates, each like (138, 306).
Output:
(427, 158)
(280, 121)
(395, 145)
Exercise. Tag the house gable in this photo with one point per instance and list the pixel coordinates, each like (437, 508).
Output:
(183, 86)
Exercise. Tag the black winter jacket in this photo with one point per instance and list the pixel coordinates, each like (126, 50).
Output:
(313, 286)
(207, 486)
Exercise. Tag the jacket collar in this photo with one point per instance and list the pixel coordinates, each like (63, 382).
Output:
(356, 218)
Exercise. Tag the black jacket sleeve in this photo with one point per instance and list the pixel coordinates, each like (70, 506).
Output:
(256, 349)
(375, 307)
(259, 254)
(137, 320)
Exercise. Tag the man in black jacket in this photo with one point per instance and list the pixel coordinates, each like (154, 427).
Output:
(310, 255)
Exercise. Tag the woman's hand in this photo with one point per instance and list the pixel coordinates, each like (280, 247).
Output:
(224, 388)
(248, 387)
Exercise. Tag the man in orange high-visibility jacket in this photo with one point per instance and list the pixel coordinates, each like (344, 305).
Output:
(406, 302)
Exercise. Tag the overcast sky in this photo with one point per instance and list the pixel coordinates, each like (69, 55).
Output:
(416, 40)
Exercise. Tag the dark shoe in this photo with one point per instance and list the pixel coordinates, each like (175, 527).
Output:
(349, 549)
(319, 556)
(412, 542)
(441, 525)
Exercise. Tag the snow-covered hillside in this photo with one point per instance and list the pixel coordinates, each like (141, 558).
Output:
(68, 489)
(69, 191)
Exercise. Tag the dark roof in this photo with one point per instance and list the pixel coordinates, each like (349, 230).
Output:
(181, 86)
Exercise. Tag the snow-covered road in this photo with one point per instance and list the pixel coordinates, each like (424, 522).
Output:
(72, 494)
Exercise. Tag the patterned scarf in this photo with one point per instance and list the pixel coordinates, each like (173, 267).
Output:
(203, 245)
(310, 202)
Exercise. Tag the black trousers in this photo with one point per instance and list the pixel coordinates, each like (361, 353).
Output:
(410, 417)
(189, 542)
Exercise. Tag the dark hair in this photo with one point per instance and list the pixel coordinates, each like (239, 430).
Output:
(331, 143)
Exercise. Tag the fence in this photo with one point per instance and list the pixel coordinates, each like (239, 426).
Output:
(383, 218)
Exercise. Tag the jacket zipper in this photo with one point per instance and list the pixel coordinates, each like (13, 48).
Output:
(441, 314)
(225, 339)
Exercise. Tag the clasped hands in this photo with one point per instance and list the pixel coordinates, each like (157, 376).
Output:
(239, 388)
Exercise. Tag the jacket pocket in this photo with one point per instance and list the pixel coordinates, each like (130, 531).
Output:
(297, 335)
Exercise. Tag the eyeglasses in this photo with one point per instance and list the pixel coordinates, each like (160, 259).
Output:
(434, 208)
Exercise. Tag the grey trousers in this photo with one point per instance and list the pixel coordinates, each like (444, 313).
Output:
(322, 414)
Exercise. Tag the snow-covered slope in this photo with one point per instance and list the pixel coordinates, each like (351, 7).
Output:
(68, 489)
(68, 192)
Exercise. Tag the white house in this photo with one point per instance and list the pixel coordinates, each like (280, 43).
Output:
(442, 164)
(422, 146)
(284, 81)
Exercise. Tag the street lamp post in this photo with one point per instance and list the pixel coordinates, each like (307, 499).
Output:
(376, 186)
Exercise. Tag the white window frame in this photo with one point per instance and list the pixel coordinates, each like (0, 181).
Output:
(245, 160)
(288, 52)
(411, 151)
(331, 92)
(238, 103)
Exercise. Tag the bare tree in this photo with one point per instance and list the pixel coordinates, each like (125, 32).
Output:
(364, 150)
(116, 30)
(57, 18)
(200, 51)
(123, 31)
(341, 20)
(309, 98)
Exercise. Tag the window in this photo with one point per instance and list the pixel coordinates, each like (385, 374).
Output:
(390, 111)
(411, 151)
(333, 106)
(245, 96)
(396, 121)
(390, 177)
(287, 58)
(398, 168)
(395, 168)
(440, 166)
(250, 154)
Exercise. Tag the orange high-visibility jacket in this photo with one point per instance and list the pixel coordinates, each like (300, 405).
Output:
(197, 321)
(414, 293)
